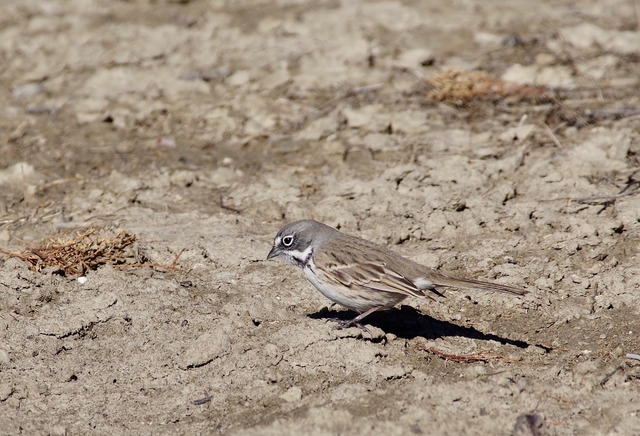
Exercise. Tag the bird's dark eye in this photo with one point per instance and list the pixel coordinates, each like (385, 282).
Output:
(287, 241)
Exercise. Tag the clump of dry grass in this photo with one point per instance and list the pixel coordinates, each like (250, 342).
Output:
(85, 251)
(459, 87)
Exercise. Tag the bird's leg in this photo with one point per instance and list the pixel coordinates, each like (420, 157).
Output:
(355, 322)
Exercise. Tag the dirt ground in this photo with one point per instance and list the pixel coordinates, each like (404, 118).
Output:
(495, 140)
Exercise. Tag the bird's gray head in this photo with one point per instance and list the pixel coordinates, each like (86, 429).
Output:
(296, 241)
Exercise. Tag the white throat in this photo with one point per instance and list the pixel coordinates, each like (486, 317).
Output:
(299, 258)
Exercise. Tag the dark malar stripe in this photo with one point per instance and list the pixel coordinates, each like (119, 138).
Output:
(302, 262)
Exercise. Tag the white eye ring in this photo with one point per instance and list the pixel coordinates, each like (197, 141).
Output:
(287, 241)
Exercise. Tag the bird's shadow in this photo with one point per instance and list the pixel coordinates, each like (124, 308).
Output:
(407, 323)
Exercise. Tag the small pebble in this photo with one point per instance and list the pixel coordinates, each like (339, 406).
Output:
(28, 90)
(292, 395)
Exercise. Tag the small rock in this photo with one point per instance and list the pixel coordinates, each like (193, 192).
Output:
(393, 372)
(415, 58)
(528, 425)
(166, 142)
(587, 367)
(59, 430)
(18, 174)
(183, 178)
(373, 117)
(317, 129)
(239, 78)
(420, 375)
(28, 90)
(5, 391)
(554, 76)
(292, 395)
(536, 350)
(586, 36)
(223, 176)
(490, 40)
(518, 134)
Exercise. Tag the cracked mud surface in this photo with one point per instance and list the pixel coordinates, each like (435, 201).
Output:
(203, 127)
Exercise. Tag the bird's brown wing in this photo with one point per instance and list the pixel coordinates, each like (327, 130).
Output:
(365, 272)
(374, 276)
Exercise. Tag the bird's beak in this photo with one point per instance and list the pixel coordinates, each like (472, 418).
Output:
(273, 253)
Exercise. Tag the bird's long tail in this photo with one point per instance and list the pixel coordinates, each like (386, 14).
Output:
(445, 280)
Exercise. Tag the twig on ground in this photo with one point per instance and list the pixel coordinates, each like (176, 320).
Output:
(553, 136)
(607, 377)
(480, 356)
(604, 199)
(175, 261)
(202, 401)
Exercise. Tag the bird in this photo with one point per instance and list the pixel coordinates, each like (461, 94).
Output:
(361, 275)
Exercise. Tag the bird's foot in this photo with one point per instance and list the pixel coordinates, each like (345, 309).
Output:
(353, 323)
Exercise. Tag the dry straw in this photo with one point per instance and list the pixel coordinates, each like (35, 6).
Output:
(85, 251)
